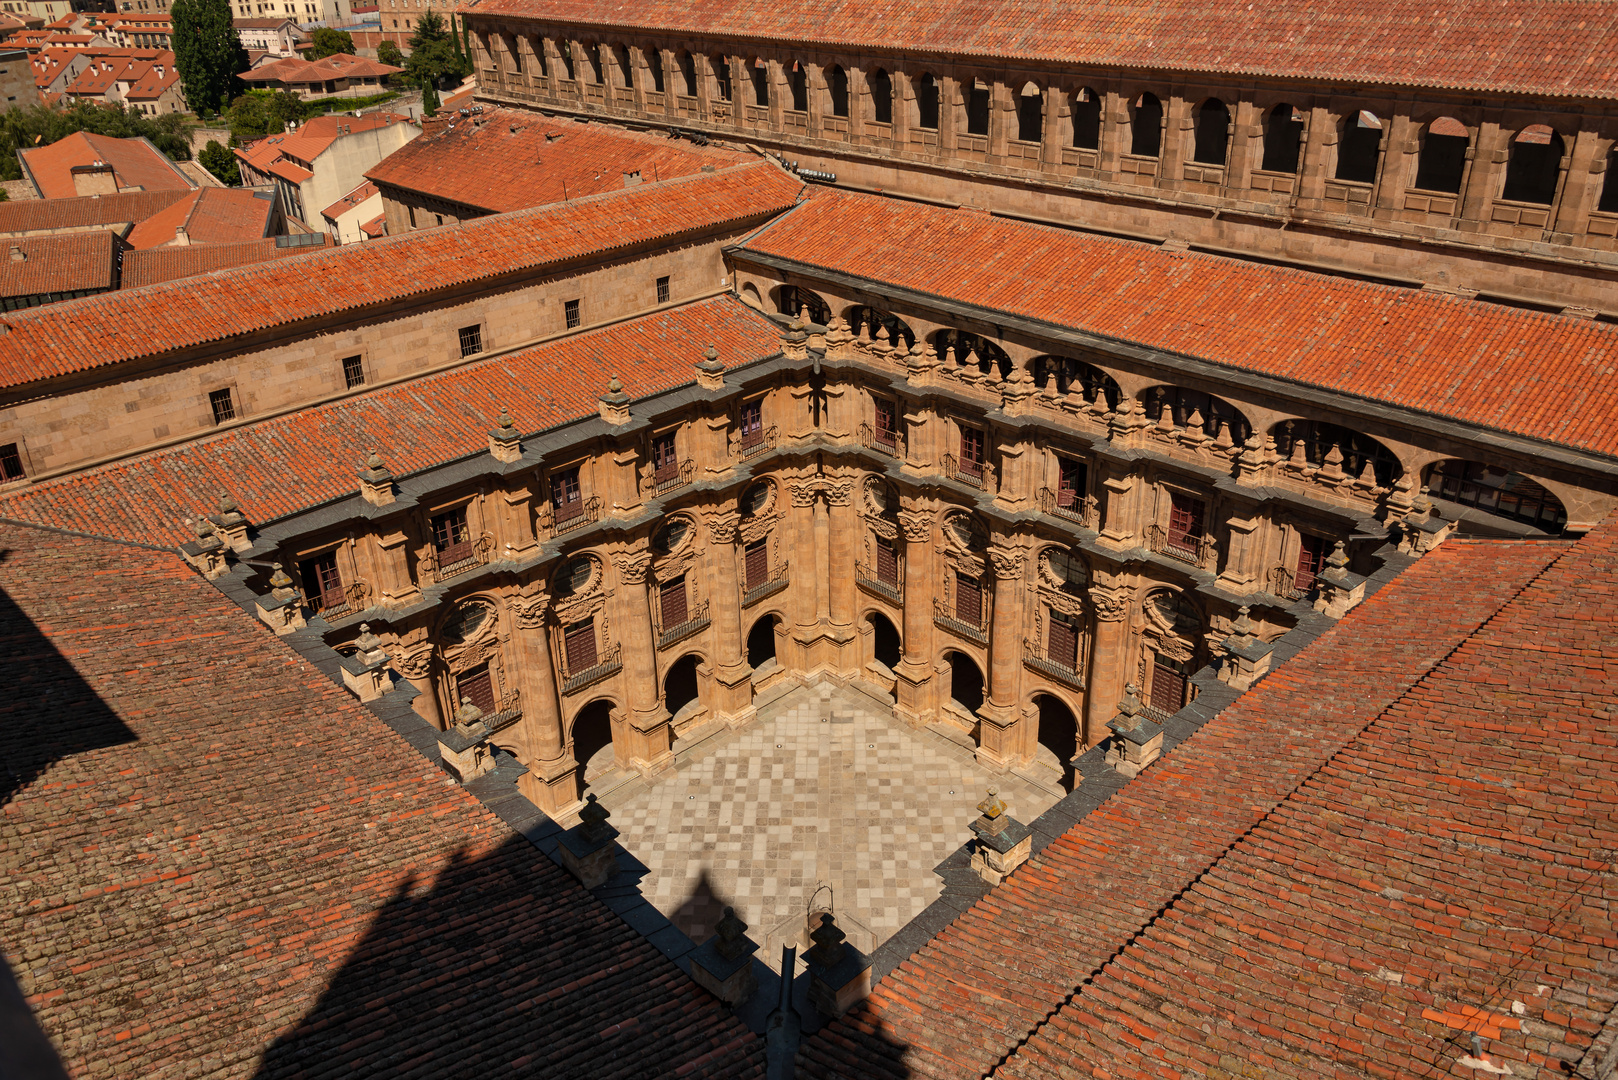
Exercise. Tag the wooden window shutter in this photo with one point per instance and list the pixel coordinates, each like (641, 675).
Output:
(479, 686)
(971, 451)
(1168, 688)
(1185, 521)
(1062, 643)
(968, 600)
(887, 563)
(581, 647)
(757, 563)
(321, 581)
(671, 596)
(1311, 558)
(565, 494)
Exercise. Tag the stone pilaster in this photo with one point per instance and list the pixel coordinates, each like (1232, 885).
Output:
(915, 672)
(1000, 745)
(1108, 647)
(733, 677)
(648, 719)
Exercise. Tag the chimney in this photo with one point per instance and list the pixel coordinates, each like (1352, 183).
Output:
(181, 237)
(17, 254)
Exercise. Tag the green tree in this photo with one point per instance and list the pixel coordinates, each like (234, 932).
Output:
(388, 53)
(328, 42)
(258, 113)
(221, 162)
(429, 99)
(433, 57)
(39, 125)
(207, 53)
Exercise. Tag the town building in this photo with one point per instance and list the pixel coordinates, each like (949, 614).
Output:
(17, 79)
(275, 38)
(303, 12)
(87, 164)
(338, 75)
(1108, 414)
(347, 218)
(47, 269)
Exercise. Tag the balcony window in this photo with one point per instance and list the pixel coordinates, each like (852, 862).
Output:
(1312, 552)
(1062, 642)
(476, 686)
(887, 423)
(567, 499)
(451, 537)
(756, 561)
(1185, 525)
(671, 599)
(1070, 483)
(665, 466)
(971, 452)
(321, 582)
(752, 423)
(887, 563)
(579, 641)
(968, 600)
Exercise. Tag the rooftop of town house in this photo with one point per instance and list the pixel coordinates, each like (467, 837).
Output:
(85, 211)
(153, 265)
(32, 265)
(1538, 375)
(209, 216)
(136, 163)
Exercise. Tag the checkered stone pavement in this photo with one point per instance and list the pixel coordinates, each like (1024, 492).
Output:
(825, 789)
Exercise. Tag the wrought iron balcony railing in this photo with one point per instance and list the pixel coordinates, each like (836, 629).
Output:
(556, 520)
(453, 560)
(890, 443)
(666, 478)
(757, 441)
(774, 583)
(508, 712)
(607, 664)
(336, 603)
(979, 474)
(946, 616)
(1196, 550)
(1039, 661)
(1068, 505)
(872, 581)
(695, 622)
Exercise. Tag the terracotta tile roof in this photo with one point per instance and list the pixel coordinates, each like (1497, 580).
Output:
(1496, 45)
(376, 227)
(279, 466)
(279, 884)
(288, 170)
(350, 201)
(135, 162)
(974, 992)
(1536, 375)
(1443, 874)
(337, 66)
(186, 314)
(516, 159)
(154, 83)
(158, 264)
(313, 138)
(84, 212)
(210, 216)
(45, 264)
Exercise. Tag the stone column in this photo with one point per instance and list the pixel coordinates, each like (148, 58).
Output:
(733, 678)
(1108, 644)
(805, 600)
(648, 719)
(551, 782)
(843, 599)
(1000, 743)
(915, 672)
(417, 668)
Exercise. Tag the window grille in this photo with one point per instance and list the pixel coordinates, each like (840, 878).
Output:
(10, 463)
(353, 371)
(662, 290)
(223, 408)
(471, 340)
(570, 310)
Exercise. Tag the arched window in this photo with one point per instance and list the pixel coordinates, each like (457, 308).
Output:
(927, 103)
(593, 54)
(1496, 491)
(1305, 441)
(1360, 148)
(1193, 408)
(1070, 374)
(760, 72)
(620, 63)
(837, 87)
(564, 52)
(972, 350)
(791, 300)
(1087, 120)
(688, 73)
(654, 65)
(1443, 156)
(977, 108)
(870, 318)
(881, 97)
(1534, 166)
(799, 80)
(1283, 139)
(1146, 126)
(1212, 133)
(1031, 113)
(1609, 190)
(721, 75)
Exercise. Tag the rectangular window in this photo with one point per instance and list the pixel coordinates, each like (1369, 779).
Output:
(665, 466)
(757, 560)
(451, 537)
(1185, 523)
(476, 686)
(223, 408)
(971, 451)
(570, 309)
(1070, 483)
(671, 600)
(353, 371)
(471, 340)
(1311, 561)
(968, 600)
(321, 582)
(580, 643)
(412, 217)
(566, 498)
(1062, 644)
(662, 290)
(1168, 687)
(752, 422)
(10, 463)
(887, 563)
(887, 422)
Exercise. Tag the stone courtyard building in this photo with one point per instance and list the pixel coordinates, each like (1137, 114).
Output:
(1213, 444)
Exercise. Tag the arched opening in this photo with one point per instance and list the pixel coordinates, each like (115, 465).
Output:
(688, 73)
(1497, 491)
(884, 640)
(592, 740)
(1283, 139)
(1058, 736)
(1086, 109)
(620, 66)
(837, 87)
(564, 53)
(1031, 113)
(761, 642)
(1070, 373)
(977, 107)
(1534, 166)
(1307, 442)
(593, 54)
(970, 350)
(654, 66)
(1443, 156)
(1609, 189)
(798, 80)
(791, 300)
(1146, 126)
(965, 682)
(721, 75)
(1192, 408)
(881, 97)
(760, 75)
(1212, 133)
(870, 319)
(927, 103)
(680, 684)
(1360, 148)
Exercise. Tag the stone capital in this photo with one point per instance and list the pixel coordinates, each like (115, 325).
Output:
(1112, 605)
(804, 494)
(633, 565)
(1008, 562)
(917, 525)
(530, 609)
(722, 525)
(416, 664)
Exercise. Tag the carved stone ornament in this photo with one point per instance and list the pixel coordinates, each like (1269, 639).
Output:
(1065, 602)
(530, 610)
(668, 567)
(917, 525)
(884, 528)
(1111, 605)
(633, 565)
(577, 610)
(839, 492)
(804, 494)
(722, 525)
(414, 665)
(1176, 649)
(1008, 562)
(757, 528)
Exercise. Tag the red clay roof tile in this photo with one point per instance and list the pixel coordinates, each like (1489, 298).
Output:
(84, 212)
(31, 265)
(135, 162)
(210, 216)
(153, 265)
